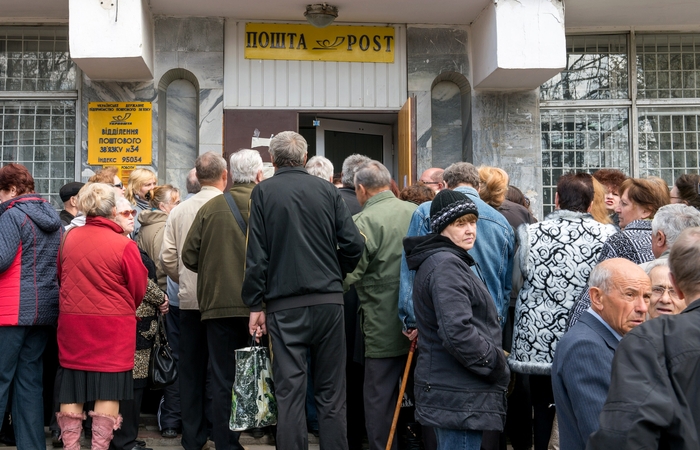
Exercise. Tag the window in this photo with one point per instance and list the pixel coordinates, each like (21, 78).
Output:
(38, 106)
(586, 109)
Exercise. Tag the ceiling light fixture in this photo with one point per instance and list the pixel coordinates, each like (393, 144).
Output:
(321, 14)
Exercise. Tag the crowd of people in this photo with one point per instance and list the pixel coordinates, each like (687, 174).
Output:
(577, 331)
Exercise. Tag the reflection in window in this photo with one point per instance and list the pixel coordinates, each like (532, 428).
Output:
(35, 59)
(668, 142)
(596, 69)
(581, 140)
(41, 136)
(668, 66)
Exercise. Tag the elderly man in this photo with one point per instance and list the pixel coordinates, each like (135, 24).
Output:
(620, 293)
(669, 221)
(215, 250)
(654, 396)
(212, 175)
(321, 167)
(433, 179)
(301, 243)
(383, 221)
(493, 251)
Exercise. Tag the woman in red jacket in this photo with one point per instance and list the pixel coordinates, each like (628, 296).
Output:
(102, 283)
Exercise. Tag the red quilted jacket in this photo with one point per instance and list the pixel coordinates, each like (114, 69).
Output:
(102, 283)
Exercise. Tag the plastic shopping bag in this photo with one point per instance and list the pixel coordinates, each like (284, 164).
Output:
(253, 403)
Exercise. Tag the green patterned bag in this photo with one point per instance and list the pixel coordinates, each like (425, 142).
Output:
(253, 403)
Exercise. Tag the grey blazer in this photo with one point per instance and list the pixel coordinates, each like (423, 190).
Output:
(581, 378)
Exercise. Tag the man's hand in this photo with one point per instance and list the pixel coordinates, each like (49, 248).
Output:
(411, 333)
(256, 325)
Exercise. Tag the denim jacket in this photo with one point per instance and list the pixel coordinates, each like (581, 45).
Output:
(493, 253)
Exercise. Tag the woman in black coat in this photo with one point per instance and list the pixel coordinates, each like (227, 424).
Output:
(461, 374)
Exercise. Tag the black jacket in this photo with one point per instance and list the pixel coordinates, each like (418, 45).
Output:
(301, 242)
(654, 396)
(461, 374)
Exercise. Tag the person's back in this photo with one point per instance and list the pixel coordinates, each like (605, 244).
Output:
(299, 212)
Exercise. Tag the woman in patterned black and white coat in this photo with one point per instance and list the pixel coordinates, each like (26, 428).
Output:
(640, 198)
(555, 259)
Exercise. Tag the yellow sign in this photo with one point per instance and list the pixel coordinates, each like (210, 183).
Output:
(308, 43)
(119, 133)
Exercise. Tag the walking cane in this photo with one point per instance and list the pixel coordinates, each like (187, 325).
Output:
(411, 351)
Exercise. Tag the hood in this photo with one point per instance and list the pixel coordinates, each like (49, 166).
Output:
(420, 248)
(37, 209)
(152, 216)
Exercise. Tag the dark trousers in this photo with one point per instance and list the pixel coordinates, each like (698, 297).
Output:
(519, 415)
(194, 359)
(21, 368)
(542, 403)
(224, 336)
(125, 437)
(354, 370)
(169, 411)
(381, 390)
(293, 333)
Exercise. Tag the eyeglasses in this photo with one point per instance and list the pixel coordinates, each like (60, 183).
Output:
(120, 185)
(659, 291)
(128, 213)
(428, 182)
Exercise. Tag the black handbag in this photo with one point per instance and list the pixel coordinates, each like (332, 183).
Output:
(162, 369)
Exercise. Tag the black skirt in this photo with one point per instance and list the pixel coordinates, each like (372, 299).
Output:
(80, 386)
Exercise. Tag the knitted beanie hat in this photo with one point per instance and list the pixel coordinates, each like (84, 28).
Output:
(447, 207)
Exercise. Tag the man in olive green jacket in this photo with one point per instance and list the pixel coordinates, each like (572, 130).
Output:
(384, 222)
(215, 249)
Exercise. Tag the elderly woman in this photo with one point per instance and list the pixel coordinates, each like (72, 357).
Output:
(686, 190)
(102, 283)
(664, 299)
(162, 200)
(30, 234)
(125, 438)
(141, 181)
(555, 257)
(461, 374)
(640, 198)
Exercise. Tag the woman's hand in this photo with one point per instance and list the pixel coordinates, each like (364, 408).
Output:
(165, 306)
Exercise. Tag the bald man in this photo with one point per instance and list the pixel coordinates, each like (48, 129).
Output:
(620, 293)
(433, 179)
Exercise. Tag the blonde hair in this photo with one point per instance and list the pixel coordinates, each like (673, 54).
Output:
(97, 199)
(162, 194)
(598, 208)
(493, 186)
(137, 179)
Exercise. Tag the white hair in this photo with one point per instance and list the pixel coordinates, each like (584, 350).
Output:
(245, 165)
(600, 277)
(321, 167)
(350, 167)
(674, 218)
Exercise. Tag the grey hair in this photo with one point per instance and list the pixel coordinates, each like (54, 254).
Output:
(97, 199)
(245, 165)
(288, 149)
(209, 167)
(320, 166)
(192, 183)
(123, 202)
(459, 173)
(600, 277)
(350, 166)
(672, 219)
(373, 175)
(654, 264)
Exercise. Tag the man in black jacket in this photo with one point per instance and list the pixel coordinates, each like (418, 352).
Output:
(301, 243)
(654, 396)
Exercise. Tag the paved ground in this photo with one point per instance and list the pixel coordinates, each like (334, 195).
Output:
(148, 431)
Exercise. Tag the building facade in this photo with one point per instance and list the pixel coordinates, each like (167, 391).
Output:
(538, 88)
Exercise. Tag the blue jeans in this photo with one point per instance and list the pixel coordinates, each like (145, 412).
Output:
(448, 439)
(21, 368)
